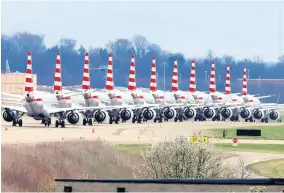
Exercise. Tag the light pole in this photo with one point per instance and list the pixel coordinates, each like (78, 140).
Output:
(219, 77)
(164, 76)
(248, 73)
(205, 77)
(157, 79)
(258, 80)
(180, 78)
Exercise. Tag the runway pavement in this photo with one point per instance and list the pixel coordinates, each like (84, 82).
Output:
(32, 131)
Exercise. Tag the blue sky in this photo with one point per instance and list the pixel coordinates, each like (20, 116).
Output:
(243, 30)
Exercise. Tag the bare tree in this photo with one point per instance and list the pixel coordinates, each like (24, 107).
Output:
(210, 55)
(178, 158)
(228, 59)
(141, 44)
(242, 171)
(281, 59)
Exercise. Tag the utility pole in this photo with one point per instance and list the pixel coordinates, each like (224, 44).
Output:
(280, 33)
(164, 76)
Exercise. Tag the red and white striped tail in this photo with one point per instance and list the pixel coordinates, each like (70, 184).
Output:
(57, 75)
(245, 89)
(153, 80)
(132, 74)
(228, 81)
(86, 74)
(175, 77)
(29, 86)
(192, 82)
(109, 77)
(212, 84)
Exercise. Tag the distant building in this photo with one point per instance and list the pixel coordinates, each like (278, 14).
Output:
(14, 83)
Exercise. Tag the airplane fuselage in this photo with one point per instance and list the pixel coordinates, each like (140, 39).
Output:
(36, 109)
(91, 100)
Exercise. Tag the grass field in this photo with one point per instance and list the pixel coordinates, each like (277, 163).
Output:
(268, 148)
(267, 132)
(271, 148)
(271, 169)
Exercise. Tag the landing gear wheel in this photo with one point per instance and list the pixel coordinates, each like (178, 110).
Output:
(62, 124)
(49, 121)
(20, 122)
(14, 122)
(84, 121)
(56, 123)
(90, 122)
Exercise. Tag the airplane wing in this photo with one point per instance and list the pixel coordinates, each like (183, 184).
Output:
(106, 107)
(12, 95)
(262, 97)
(12, 102)
(15, 108)
(55, 110)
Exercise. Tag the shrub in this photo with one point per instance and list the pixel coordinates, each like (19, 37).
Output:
(178, 158)
(34, 167)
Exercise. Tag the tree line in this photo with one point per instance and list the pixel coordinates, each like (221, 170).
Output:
(16, 46)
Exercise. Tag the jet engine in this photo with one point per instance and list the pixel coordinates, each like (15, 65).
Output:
(8, 116)
(148, 114)
(189, 113)
(100, 116)
(29, 97)
(273, 115)
(73, 117)
(245, 113)
(169, 113)
(258, 114)
(226, 113)
(209, 113)
(126, 114)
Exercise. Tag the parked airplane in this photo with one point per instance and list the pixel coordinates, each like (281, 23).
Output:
(33, 105)
(252, 109)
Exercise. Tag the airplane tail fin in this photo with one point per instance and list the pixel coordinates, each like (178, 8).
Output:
(212, 84)
(228, 81)
(57, 76)
(192, 82)
(132, 75)
(175, 76)
(109, 77)
(244, 87)
(86, 74)
(153, 80)
(29, 86)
